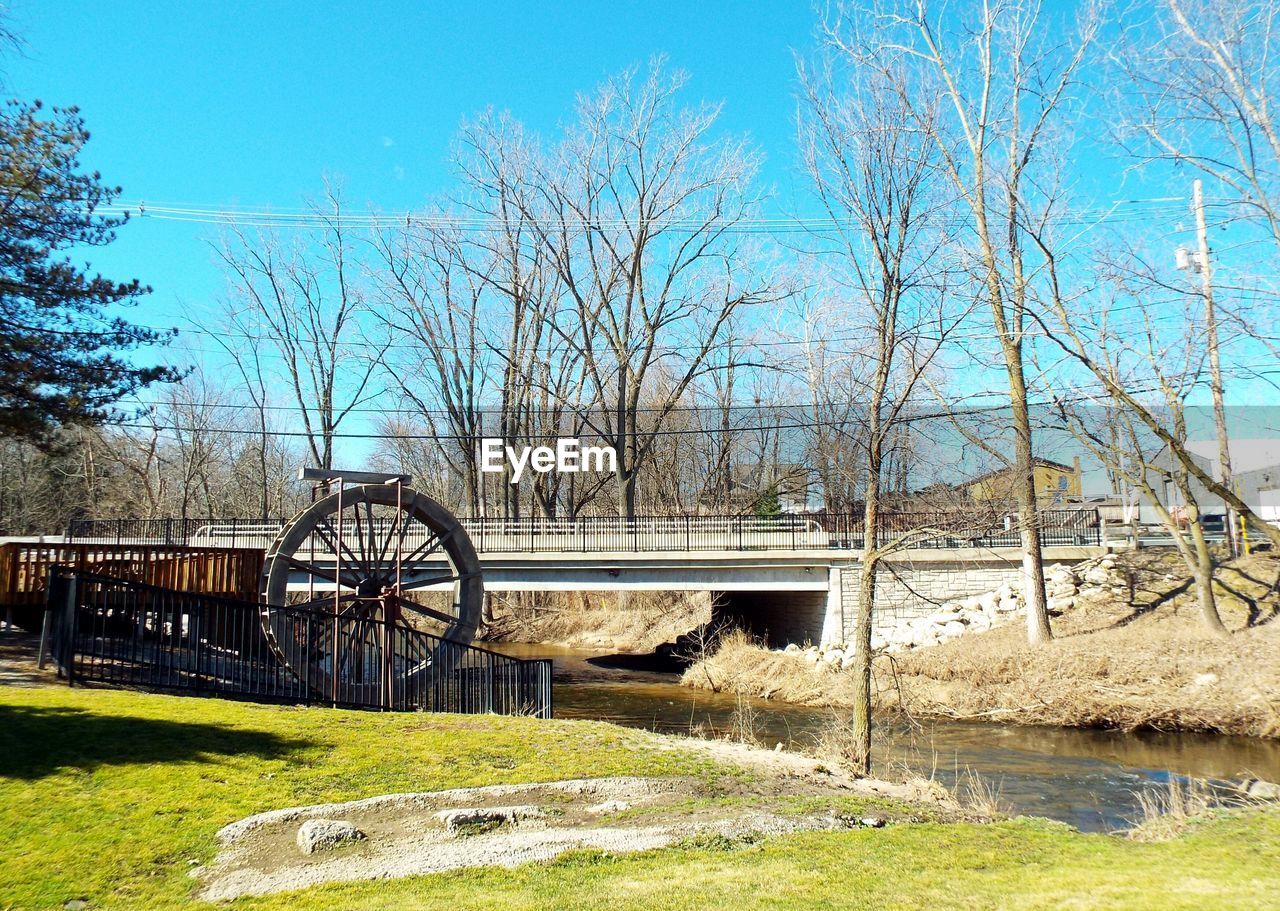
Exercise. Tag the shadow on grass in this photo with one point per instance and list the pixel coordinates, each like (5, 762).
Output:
(37, 741)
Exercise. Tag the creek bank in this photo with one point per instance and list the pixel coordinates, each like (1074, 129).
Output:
(631, 622)
(1129, 653)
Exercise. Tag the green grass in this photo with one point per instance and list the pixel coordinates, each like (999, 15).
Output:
(109, 796)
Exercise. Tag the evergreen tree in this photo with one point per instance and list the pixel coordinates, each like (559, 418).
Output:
(61, 350)
(769, 506)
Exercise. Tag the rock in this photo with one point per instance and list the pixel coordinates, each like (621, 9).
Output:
(75, 904)
(872, 822)
(988, 601)
(878, 642)
(953, 629)
(1263, 790)
(325, 834)
(1058, 605)
(1097, 576)
(473, 820)
(613, 806)
(1007, 606)
(834, 656)
(1204, 680)
(792, 649)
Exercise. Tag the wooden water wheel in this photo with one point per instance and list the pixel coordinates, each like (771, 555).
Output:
(371, 584)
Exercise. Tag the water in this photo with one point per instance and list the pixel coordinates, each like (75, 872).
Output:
(1087, 778)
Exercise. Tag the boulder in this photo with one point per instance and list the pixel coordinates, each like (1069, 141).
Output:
(792, 649)
(1097, 576)
(1263, 790)
(326, 834)
(953, 629)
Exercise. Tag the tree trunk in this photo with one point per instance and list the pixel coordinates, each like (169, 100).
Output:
(1203, 571)
(861, 720)
(1033, 587)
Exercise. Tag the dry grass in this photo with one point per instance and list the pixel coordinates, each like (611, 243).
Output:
(1146, 664)
(1166, 813)
(742, 665)
(979, 795)
(744, 722)
(628, 621)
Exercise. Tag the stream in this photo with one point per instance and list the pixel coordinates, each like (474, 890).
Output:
(1087, 778)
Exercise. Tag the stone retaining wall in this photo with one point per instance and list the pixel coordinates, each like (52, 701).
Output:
(907, 590)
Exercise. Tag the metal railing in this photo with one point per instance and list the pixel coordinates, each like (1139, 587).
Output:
(603, 534)
(119, 633)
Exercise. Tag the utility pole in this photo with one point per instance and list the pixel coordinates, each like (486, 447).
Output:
(1215, 365)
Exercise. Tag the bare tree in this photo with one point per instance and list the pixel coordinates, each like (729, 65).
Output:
(1006, 74)
(636, 209)
(1139, 350)
(1199, 89)
(305, 301)
(875, 168)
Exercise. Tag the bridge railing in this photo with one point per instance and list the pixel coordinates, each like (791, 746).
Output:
(601, 534)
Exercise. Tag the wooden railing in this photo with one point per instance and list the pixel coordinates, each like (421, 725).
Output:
(24, 570)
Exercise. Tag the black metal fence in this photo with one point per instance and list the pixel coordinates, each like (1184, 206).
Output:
(128, 634)
(604, 534)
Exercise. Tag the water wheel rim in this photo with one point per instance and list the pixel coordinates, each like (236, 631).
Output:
(452, 543)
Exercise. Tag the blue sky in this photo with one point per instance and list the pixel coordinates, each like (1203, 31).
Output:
(252, 104)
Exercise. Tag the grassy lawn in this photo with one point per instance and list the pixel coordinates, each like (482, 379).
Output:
(109, 796)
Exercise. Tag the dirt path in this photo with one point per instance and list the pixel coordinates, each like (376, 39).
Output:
(18, 666)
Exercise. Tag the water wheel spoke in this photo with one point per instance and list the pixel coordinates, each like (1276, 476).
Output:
(406, 605)
(363, 559)
(434, 580)
(329, 575)
(375, 558)
(324, 602)
(336, 544)
(386, 552)
(434, 543)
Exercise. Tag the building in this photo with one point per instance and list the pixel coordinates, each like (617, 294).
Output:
(1255, 471)
(1055, 484)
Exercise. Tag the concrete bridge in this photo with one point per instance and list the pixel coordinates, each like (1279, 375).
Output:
(788, 578)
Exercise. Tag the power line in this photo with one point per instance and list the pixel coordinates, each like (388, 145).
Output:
(272, 217)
